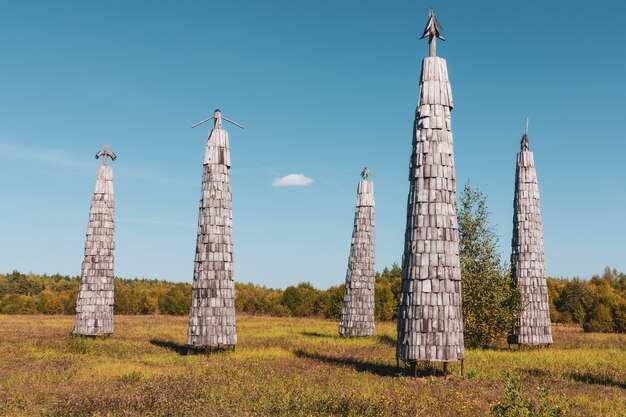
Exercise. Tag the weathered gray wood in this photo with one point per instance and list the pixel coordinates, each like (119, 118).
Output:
(94, 305)
(357, 314)
(430, 321)
(528, 265)
(212, 314)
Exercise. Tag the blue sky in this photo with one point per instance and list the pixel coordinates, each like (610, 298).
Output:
(323, 88)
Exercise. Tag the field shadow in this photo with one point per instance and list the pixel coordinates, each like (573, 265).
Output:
(386, 339)
(358, 365)
(536, 372)
(319, 335)
(588, 378)
(173, 346)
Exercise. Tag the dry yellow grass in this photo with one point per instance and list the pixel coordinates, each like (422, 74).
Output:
(282, 366)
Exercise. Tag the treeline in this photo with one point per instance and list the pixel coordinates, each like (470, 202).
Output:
(598, 304)
(56, 294)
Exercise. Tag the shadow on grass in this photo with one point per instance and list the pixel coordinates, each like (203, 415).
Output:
(536, 372)
(320, 335)
(190, 350)
(358, 365)
(588, 378)
(424, 369)
(386, 339)
(173, 346)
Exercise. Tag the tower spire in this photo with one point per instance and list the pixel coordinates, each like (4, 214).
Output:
(217, 120)
(525, 144)
(106, 153)
(526, 127)
(433, 31)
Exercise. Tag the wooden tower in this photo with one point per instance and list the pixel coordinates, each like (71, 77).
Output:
(94, 306)
(430, 321)
(212, 314)
(528, 266)
(357, 314)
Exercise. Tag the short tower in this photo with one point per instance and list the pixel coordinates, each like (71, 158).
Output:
(94, 306)
(357, 314)
(528, 265)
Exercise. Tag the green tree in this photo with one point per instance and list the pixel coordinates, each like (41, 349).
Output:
(385, 303)
(177, 300)
(300, 300)
(599, 319)
(574, 301)
(619, 316)
(330, 302)
(555, 289)
(390, 274)
(491, 303)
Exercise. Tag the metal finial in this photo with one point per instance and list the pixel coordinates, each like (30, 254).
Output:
(105, 153)
(527, 126)
(433, 31)
(525, 144)
(365, 173)
(217, 124)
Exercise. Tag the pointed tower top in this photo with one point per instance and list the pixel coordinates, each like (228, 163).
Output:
(105, 153)
(365, 173)
(525, 145)
(217, 124)
(433, 31)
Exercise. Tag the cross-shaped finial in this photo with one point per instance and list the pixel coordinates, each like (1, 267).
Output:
(105, 153)
(365, 173)
(433, 31)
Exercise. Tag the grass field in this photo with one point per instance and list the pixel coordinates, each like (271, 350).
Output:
(284, 366)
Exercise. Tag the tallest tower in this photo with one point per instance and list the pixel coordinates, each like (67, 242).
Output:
(430, 321)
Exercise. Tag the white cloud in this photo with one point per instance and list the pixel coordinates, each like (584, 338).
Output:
(292, 180)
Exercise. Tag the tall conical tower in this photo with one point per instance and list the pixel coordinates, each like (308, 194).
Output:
(212, 315)
(357, 314)
(94, 306)
(528, 266)
(430, 321)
